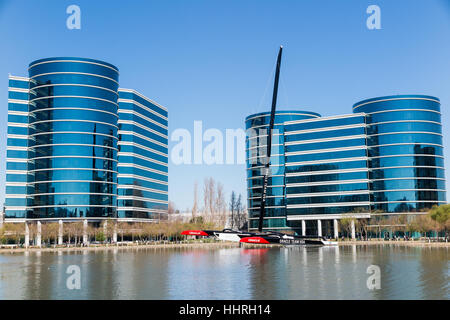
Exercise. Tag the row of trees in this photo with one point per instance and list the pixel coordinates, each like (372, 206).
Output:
(214, 208)
(436, 221)
(73, 231)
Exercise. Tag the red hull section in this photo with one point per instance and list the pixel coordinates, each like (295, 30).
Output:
(258, 240)
(194, 233)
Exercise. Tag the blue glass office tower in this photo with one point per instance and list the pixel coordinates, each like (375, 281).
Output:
(384, 159)
(256, 147)
(63, 143)
(404, 139)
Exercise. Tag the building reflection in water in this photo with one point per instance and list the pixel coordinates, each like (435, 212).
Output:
(233, 273)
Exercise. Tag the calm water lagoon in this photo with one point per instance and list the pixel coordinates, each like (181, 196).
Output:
(229, 273)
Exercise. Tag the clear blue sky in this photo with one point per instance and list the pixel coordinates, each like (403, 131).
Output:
(211, 60)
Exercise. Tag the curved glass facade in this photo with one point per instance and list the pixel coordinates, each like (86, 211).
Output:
(73, 138)
(404, 139)
(63, 158)
(256, 151)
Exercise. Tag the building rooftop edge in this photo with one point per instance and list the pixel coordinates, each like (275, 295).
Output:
(73, 58)
(143, 97)
(394, 97)
(283, 111)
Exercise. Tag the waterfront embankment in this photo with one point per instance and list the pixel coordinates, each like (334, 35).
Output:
(209, 245)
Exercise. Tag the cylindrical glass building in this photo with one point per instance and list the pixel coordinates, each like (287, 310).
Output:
(404, 139)
(72, 167)
(256, 150)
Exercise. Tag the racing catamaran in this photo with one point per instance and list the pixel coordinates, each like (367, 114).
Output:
(261, 237)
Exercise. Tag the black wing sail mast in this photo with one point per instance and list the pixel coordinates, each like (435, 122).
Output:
(266, 168)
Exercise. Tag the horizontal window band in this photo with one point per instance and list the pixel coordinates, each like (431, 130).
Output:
(73, 108)
(337, 160)
(394, 99)
(322, 129)
(140, 146)
(140, 105)
(144, 199)
(408, 155)
(72, 157)
(403, 144)
(262, 135)
(327, 150)
(324, 216)
(135, 187)
(400, 121)
(70, 181)
(138, 177)
(407, 201)
(72, 132)
(310, 141)
(325, 183)
(73, 85)
(257, 218)
(32, 195)
(260, 177)
(326, 205)
(402, 110)
(263, 146)
(132, 165)
(265, 156)
(74, 61)
(132, 133)
(401, 167)
(265, 125)
(141, 209)
(141, 116)
(75, 169)
(72, 206)
(73, 96)
(328, 194)
(135, 155)
(267, 197)
(268, 186)
(70, 144)
(405, 132)
(73, 120)
(80, 73)
(408, 178)
(267, 207)
(137, 124)
(415, 190)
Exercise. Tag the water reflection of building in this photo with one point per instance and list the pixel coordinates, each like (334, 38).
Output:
(384, 160)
